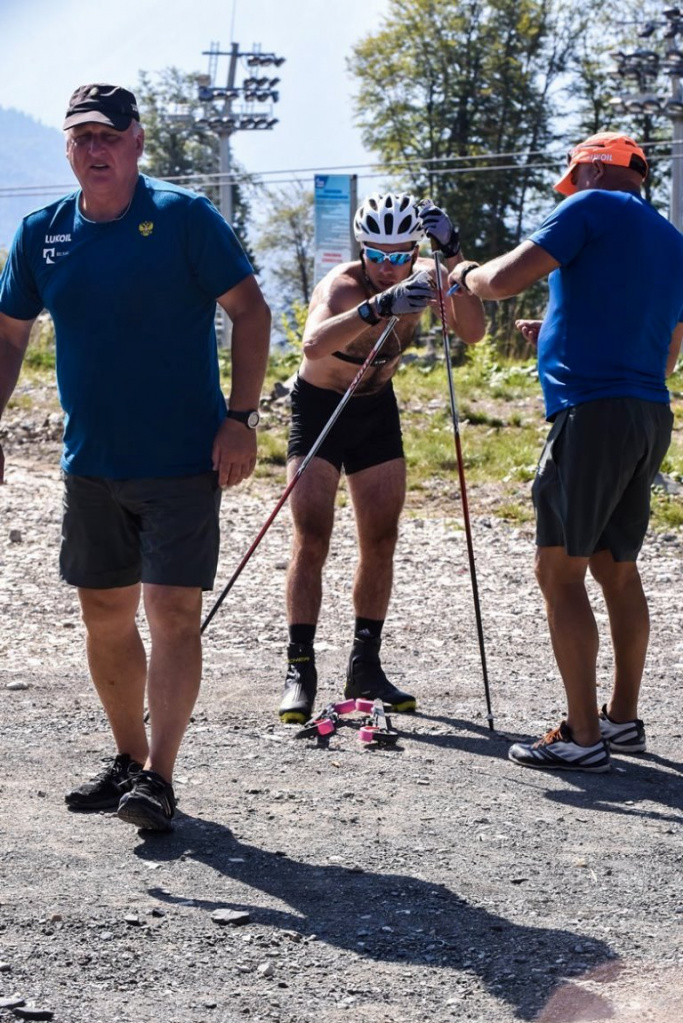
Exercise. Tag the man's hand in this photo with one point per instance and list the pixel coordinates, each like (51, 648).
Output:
(233, 453)
(438, 226)
(529, 329)
(409, 296)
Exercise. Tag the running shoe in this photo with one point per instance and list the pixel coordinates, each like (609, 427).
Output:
(104, 791)
(150, 804)
(365, 678)
(301, 685)
(558, 751)
(622, 737)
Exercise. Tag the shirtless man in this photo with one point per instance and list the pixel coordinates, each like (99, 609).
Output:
(348, 311)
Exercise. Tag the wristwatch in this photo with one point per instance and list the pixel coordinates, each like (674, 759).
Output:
(367, 314)
(464, 273)
(250, 418)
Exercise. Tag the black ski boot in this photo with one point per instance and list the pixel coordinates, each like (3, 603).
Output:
(366, 680)
(301, 685)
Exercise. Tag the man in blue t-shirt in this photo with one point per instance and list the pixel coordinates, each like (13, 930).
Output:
(130, 269)
(611, 334)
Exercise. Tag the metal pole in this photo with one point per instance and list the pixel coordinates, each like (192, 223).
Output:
(225, 166)
(676, 208)
(463, 488)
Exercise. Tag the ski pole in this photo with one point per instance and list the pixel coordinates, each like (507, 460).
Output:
(302, 467)
(463, 489)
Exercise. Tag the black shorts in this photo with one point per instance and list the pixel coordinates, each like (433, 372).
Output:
(592, 485)
(120, 532)
(367, 433)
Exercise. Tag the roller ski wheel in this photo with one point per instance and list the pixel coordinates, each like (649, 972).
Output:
(378, 728)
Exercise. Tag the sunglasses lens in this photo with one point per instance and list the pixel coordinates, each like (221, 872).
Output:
(374, 255)
(395, 258)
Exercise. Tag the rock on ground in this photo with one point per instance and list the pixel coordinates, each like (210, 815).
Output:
(432, 881)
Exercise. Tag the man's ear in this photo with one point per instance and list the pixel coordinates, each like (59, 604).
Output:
(598, 170)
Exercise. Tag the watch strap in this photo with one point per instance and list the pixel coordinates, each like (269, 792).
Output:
(367, 314)
(246, 417)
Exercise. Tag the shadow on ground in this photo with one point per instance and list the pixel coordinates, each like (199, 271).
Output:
(384, 917)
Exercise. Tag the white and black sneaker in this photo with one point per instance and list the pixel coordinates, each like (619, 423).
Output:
(558, 751)
(622, 737)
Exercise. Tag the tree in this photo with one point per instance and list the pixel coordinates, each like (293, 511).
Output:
(459, 100)
(596, 83)
(288, 229)
(178, 147)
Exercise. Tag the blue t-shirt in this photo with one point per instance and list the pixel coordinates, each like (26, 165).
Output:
(614, 301)
(133, 303)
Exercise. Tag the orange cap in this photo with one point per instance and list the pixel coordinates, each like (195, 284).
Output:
(608, 147)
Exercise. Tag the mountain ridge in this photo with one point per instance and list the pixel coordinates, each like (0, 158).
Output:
(33, 168)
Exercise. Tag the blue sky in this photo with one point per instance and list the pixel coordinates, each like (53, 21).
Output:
(48, 47)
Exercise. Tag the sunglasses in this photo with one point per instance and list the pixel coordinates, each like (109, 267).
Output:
(395, 258)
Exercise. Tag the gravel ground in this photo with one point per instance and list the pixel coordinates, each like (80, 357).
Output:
(434, 881)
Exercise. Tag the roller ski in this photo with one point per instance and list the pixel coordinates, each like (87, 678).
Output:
(301, 685)
(365, 678)
(377, 727)
(327, 721)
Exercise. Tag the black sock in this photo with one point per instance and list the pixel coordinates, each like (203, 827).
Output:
(302, 634)
(371, 627)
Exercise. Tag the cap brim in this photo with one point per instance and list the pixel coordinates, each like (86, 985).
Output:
(117, 121)
(565, 186)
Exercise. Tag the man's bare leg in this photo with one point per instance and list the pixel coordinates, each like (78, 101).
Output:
(312, 509)
(630, 629)
(574, 636)
(175, 668)
(117, 661)
(378, 495)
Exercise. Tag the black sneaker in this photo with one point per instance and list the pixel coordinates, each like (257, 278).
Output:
(622, 737)
(301, 684)
(150, 804)
(366, 680)
(105, 790)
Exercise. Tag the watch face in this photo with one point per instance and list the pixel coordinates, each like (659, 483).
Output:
(253, 420)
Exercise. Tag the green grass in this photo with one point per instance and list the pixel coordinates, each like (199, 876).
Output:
(502, 429)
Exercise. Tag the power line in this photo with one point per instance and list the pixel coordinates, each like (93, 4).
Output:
(442, 166)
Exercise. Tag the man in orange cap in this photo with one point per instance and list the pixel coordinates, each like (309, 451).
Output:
(610, 336)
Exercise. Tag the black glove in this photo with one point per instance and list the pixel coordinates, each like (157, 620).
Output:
(409, 296)
(438, 225)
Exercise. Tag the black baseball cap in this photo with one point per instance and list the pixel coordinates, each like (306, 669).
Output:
(106, 104)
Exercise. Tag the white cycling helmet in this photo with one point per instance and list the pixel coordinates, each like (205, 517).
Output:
(387, 219)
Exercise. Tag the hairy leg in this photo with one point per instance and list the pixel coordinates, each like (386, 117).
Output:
(117, 661)
(574, 636)
(378, 495)
(629, 621)
(312, 508)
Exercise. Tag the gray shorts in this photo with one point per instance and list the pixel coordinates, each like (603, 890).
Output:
(120, 532)
(592, 485)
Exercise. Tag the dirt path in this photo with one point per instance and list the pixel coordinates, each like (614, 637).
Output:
(432, 882)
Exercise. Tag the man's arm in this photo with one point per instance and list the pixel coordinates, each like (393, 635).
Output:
(333, 321)
(464, 314)
(674, 348)
(14, 335)
(506, 275)
(234, 448)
